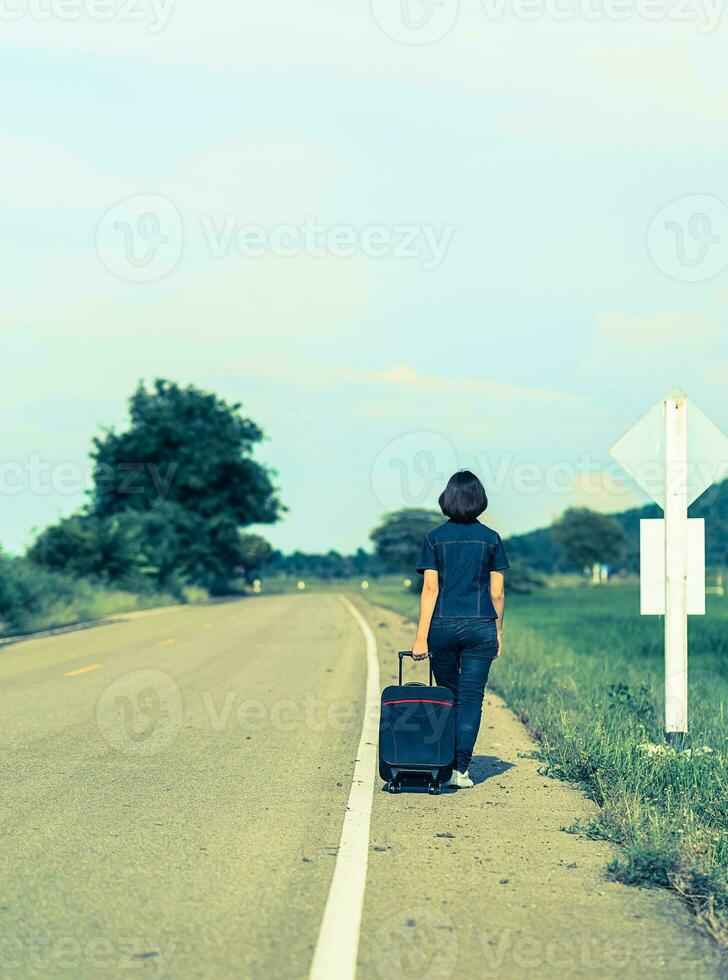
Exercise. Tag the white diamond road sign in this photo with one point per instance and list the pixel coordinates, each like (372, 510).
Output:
(641, 452)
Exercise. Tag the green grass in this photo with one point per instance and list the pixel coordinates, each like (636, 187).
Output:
(91, 602)
(584, 671)
(33, 598)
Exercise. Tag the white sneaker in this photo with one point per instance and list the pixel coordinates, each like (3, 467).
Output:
(461, 779)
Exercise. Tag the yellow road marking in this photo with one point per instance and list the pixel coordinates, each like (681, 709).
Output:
(82, 670)
(166, 643)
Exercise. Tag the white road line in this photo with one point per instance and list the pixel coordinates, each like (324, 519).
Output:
(338, 942)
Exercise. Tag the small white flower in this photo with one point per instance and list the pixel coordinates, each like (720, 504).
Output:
(650, 748)
(701, 750)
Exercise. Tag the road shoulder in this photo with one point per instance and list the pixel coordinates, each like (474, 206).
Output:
(488, 882)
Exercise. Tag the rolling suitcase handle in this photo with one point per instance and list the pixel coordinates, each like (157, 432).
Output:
(408, 653)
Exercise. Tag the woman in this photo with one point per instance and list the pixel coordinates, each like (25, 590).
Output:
(461, 608)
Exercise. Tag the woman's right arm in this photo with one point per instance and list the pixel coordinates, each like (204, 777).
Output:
(498, 595)
(430, 589)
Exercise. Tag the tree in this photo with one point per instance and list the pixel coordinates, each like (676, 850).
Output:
(587, 537)
(255, 553)
(170, 496)
(330, 566)
(188, 447)
(398, 538)
(84, 545)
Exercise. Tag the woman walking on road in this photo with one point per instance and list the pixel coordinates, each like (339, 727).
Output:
(461, 608)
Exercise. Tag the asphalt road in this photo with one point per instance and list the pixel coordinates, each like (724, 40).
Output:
(172, 792)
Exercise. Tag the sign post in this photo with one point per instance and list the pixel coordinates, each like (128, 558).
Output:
(674, 453)
(676, 565)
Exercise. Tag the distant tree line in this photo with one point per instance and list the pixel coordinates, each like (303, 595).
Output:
(545, 549)
(331, 565)
(580, 538)
(398, 545)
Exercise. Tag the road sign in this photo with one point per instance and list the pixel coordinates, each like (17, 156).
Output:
(641, 452)
(674, 453)
(652, 567)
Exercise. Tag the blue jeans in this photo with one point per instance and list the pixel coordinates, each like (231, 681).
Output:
(462, 652)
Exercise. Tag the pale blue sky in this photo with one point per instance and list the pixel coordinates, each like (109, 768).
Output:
(544, 148)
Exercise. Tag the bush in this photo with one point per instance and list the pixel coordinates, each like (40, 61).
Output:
(33, 597)
(25, 589)
(523, 580)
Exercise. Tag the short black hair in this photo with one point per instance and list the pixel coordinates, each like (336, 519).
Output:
(464, 497)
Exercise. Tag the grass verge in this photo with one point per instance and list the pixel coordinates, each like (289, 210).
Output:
(584, 672)
(33, 598)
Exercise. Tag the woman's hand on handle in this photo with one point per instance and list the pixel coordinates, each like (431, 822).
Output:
(419, 649)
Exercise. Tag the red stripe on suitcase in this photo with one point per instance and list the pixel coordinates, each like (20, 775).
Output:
(418, 701)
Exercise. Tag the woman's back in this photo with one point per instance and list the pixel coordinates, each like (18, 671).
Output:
(463, 555)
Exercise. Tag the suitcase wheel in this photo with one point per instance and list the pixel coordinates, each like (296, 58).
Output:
(434, 788)
(393, 787)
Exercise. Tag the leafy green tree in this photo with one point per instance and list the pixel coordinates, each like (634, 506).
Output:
(255, 553)
(172, 547)
(186, 464)
(362, 563)
(188, 447)
(398, 538)
(587, 537)
(89, 546)
(171, 494)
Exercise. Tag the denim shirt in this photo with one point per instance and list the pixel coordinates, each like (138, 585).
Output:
(463, 555)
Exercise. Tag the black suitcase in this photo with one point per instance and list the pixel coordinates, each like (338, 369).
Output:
(416, 733)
